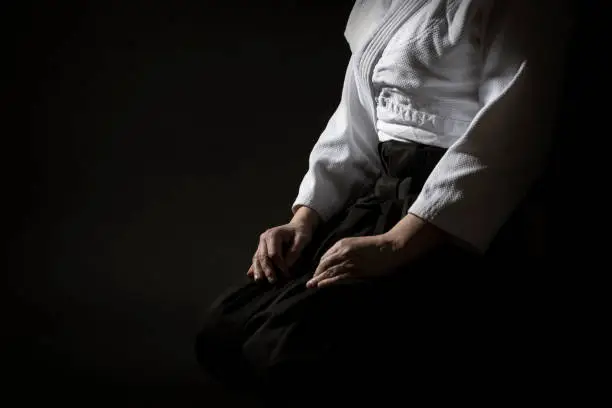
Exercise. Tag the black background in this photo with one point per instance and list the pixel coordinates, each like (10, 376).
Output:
(157, 140)
(146, 146)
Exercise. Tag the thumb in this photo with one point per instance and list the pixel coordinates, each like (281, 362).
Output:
(299, 242)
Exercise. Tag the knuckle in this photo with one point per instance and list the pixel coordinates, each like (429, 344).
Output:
(346, 243)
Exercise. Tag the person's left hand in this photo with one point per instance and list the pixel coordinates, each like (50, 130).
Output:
(360, 257)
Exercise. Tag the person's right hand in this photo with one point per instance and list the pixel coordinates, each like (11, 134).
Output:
(278, 249)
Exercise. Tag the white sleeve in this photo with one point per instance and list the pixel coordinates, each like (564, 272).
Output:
(344, 161)
(485, 174)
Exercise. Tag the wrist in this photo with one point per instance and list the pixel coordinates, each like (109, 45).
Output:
(306, 218)
(405, 231)
(412, 236)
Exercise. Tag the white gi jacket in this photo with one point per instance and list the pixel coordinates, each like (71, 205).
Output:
(478, 77)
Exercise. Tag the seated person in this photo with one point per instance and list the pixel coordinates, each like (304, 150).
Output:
(443, 126)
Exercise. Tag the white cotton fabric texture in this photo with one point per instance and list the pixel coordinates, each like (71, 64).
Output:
(477, 77)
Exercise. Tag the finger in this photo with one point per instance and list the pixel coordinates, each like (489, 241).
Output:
(257, 271)
(299, 242)
(334, 279)
(324, 274)
(325, 264)
(313, 282)
(274, 249)
(264, 262)
(267, 268)
(334, 250)
(250, 271)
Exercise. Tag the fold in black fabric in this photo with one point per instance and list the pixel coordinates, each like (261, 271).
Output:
(410, 330)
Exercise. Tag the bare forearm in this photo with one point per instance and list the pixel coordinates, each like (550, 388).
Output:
(306, 216)
(412, 237)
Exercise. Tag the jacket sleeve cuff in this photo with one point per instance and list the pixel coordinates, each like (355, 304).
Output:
(467, 204)
(323, 199)
(324, 210)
